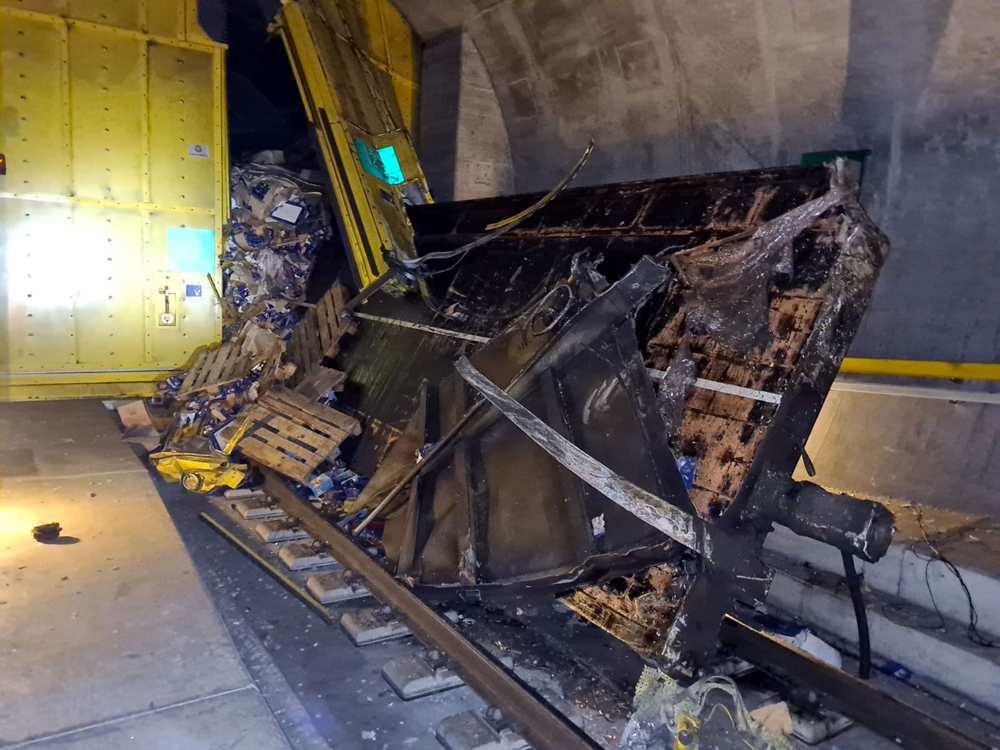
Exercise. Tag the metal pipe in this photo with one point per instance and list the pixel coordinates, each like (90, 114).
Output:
(859, 527)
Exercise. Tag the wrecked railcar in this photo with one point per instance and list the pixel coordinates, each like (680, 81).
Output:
(679, 335)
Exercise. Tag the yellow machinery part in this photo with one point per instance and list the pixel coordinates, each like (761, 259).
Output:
(197, 472)
(112, 122)
(356, 71)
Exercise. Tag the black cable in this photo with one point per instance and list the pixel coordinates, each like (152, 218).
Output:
(972, 630)
(808, 463)
(860, 614)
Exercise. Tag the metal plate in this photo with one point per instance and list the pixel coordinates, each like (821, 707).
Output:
(355, 68)
(102, 103)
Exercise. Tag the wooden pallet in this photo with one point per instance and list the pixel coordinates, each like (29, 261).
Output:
(293, 435)
(318, 333)
(213, 368)
(319, 381)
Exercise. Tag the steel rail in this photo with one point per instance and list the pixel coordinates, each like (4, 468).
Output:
(535, 719)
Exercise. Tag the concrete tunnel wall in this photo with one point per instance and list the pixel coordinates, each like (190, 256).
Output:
(671, 87)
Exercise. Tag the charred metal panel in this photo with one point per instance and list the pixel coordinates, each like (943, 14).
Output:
(779, 258)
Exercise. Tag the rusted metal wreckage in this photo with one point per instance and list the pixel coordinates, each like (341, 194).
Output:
(656, 355)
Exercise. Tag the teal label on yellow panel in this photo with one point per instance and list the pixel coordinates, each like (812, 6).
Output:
(193, 290)
(190, 250)
(381, 162)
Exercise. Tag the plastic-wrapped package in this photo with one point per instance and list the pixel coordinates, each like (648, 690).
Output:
(729, 283)
(277, 219)
(668, 716)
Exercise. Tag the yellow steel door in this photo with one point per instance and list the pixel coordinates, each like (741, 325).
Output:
(112, 124)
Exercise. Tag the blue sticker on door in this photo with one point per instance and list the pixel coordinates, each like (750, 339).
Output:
(190, 250)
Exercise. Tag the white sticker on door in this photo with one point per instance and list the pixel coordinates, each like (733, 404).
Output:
(197, 151)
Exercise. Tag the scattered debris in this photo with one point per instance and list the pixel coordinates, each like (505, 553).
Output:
(139, 428)
(774, 718)
(668, 716)
(47, 532)
(293, 435)
(276, 222)
(319, 332)
(805, 640)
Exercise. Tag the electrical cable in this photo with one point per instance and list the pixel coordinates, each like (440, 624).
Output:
(860, 614)
(439, 305)
(419, 264)
(972, 629)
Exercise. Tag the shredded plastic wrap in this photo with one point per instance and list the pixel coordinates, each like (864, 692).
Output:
(276, 222)
(668, 716)
(672, 392)
(728, 298)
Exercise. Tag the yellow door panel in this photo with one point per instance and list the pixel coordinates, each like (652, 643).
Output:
(171, 271)
(109, 302)
(108, 115)
(33, 126)
(40, 285)
(55, 7)
(344, 58)
(122, 14)
(165, 19)
(112, 121)
(182, 143)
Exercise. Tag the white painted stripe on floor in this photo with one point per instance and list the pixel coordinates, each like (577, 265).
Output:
(60, 477)
(127, 717)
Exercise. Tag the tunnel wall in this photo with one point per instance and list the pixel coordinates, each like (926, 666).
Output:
(671, 87)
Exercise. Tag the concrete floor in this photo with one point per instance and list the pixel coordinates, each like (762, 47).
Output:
(108, 639)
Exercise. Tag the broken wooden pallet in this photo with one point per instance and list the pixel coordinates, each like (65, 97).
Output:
(293, 435)
(213, 368)
(320, 380)
(318, 333)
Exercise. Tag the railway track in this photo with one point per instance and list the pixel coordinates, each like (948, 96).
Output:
(391, 669)
(455, 670)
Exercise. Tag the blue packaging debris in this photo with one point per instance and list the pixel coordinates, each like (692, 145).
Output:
(688, 467)
(897, 670)
(338, 484)
(268, 256)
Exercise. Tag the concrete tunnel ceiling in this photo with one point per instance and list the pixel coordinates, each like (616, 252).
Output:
(670, 87)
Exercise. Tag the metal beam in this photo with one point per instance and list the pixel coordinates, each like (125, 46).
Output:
(535, 719)
(644, 505)
(882, 713)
